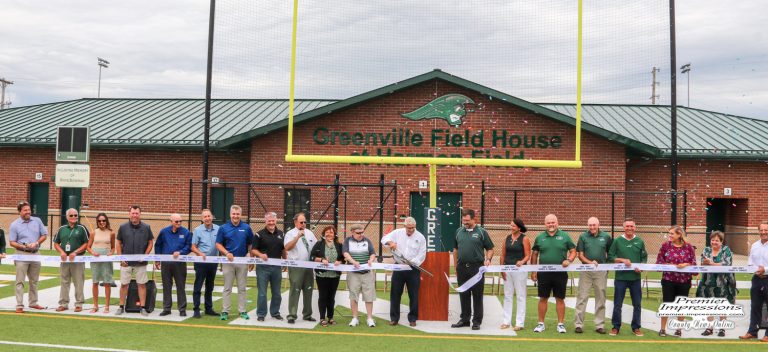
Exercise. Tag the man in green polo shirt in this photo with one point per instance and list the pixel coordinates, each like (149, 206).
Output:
(553, 246)
(70, 242)
(627, 249)
(592, 248)
(473, 249)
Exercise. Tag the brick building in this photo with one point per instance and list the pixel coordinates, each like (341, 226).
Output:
(147, 151)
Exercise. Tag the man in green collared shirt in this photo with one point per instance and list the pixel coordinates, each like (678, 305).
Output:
(473, 249)
(592, 248)
(71, 241)
(627, 249)
(553, 246)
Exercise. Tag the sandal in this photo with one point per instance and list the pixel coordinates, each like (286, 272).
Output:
(323, 322)
(106, 309)
(517, 328)
(707, 332)
(504, 326)
(94, 310)
(678, 333)
(331, 322)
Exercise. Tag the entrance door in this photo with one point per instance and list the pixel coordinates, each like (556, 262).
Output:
(221, 199)
(716, 211)
(70, 198)
(38, 200)
(450, 206)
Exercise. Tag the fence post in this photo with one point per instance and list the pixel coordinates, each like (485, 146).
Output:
(248, 201)
(613, 211)
(514, 205)
(685, 210)
(336, 203)
(482, 204)
(381, 216)
(394, 210)
(189, 213)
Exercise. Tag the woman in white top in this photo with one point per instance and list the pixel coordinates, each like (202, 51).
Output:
(102, 243)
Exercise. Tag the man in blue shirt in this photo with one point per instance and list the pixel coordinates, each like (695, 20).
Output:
(176, 240)
(27, 233)
(234, 240)
(204, 245)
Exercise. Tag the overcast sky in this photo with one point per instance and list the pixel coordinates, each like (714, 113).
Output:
(157, 49)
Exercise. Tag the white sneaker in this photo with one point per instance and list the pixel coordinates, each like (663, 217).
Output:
(354, 322)
(371, 323)
(539, 328)
(561, 328)
(144, 312)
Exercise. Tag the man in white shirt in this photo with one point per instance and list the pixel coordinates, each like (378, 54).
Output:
(758, 294)
(408, 244)
(298, 243)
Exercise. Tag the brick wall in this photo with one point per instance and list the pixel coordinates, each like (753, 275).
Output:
(156, 180)
(604, 161)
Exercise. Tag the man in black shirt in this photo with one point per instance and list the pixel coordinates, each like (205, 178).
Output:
(134, 237)
(268, 243)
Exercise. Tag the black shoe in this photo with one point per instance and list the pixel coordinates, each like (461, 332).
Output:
(460, 324)
(721, 333)
(291, 321)
(183, 313)
(260, 318)
(475, 326)
(211, 313)
(165, 312)
(578, 330)
(196, 315)
(277, 317)
(310, 319)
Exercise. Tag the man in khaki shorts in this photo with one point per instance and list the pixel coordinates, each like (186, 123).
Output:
(134, 237)
(358, 249)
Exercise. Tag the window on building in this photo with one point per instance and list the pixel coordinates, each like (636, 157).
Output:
(296, 201)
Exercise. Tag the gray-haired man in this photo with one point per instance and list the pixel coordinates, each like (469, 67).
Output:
(298, 243)
(411, 245)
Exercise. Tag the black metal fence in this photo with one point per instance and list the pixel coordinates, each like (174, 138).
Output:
(337, 203)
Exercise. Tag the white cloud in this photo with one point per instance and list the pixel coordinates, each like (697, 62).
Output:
(524, 48)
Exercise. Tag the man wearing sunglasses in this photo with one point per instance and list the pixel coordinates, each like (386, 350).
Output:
(71, 241)
(174, 240)
(298, 242)
(26, 235)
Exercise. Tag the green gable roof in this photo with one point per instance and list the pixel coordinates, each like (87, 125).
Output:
(177, 123)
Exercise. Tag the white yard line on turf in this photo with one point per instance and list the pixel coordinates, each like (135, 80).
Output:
(66, 347)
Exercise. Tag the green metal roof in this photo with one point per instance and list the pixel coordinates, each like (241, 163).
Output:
(175, 123)
(700, 133)
(144, 122)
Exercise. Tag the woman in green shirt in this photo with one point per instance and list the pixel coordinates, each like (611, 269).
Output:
(327, 251)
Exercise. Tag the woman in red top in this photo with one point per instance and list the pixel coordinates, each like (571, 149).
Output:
(679, 252)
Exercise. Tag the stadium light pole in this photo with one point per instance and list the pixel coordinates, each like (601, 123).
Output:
(687, 70)
(102, 64)
(207, 127)
(673, 119)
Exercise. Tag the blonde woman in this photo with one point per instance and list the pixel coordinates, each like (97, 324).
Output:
(102, 243)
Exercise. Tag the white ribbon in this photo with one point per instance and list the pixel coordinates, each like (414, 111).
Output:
(691, 269)
(208, 259)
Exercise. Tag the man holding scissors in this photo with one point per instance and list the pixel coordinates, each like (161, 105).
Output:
(409, 247)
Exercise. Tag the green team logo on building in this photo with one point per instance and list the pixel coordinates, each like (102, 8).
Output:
(449, 107)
